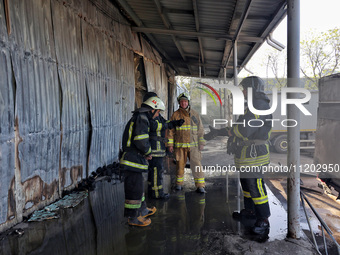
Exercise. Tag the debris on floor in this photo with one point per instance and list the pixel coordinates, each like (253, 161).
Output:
(52, 211)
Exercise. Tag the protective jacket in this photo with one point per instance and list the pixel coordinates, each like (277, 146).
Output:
(136, 143)
(157, 135)
(190, 134)
(251, 135)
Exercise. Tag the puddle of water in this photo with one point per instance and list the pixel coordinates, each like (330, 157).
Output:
(182, 225)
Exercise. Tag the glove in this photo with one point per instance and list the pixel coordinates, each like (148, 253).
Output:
(215, 132)
(177, 123)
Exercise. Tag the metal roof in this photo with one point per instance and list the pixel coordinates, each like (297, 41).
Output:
(194, 33)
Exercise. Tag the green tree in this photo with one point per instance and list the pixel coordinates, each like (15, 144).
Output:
(320, 55)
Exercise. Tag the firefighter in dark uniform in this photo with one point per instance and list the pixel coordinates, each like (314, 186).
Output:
(157, 140)
(136, 152)
(250, 147)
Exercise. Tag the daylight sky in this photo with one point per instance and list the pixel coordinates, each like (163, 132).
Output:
(316, 15)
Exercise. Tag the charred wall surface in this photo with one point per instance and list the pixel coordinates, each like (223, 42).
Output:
(67, 89)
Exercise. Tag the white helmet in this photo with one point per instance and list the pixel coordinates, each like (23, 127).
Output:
(155, 103)
(184, 95)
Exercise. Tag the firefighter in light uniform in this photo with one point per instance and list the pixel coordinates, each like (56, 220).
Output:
(250, 147)
(188, 142)
(136, 153)
(157, 140)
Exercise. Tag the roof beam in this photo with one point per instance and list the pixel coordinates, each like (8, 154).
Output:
(211, 64)
(197, 24)
(177, 11)
(237, 32)
(139, 23)
(216, 36)
(279, 15)
(168, 25)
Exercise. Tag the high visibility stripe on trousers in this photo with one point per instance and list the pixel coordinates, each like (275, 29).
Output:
(156, 188)
(263, 197)
(199, 180)
(180, 179)
(133, 204)
(246, 194)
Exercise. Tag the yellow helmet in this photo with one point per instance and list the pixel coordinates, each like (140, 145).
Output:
(184, 95)
(155, 103)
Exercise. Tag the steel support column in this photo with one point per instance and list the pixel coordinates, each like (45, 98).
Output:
(235, 64)
(226, 99)
(234, 118)
(293, 157)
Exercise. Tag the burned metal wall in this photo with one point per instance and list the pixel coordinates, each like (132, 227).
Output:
(66, 92)
(155, 72)
(7, 144)
(327, 145)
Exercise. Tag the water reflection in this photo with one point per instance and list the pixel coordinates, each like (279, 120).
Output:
(187, 223)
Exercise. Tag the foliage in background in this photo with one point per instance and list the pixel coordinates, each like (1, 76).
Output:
(321, 55)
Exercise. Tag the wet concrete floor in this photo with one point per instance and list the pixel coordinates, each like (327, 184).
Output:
(187, 223)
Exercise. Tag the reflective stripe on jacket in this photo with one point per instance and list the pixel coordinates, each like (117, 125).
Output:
(157, 135)
(190, 134)
(259, 129)
(136, 143)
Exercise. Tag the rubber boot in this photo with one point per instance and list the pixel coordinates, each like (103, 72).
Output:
(145, 212)
(261, 227)
(139, 221)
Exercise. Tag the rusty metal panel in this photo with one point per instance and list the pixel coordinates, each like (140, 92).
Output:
(66, 93)
(109, 79)
(327, 145)
(7, 145)
(75, 117)
(75, 128)
(37, 103)
(38, 124)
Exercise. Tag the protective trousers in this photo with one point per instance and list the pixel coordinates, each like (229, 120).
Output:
(255, 197)
(194, 155)
(155, 177)
(134, 190)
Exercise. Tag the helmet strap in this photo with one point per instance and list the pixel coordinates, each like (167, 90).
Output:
(154, 113)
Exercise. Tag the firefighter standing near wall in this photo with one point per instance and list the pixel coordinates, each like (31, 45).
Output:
(249, 144)
(158, 125)
(134, 160)
(188, 142)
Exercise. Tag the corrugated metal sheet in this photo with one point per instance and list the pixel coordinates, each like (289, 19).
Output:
(74, 109)
(7, 145)
(164, 91)
(37, 103)
(67, 88)
(327, 147)
(220, 18)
